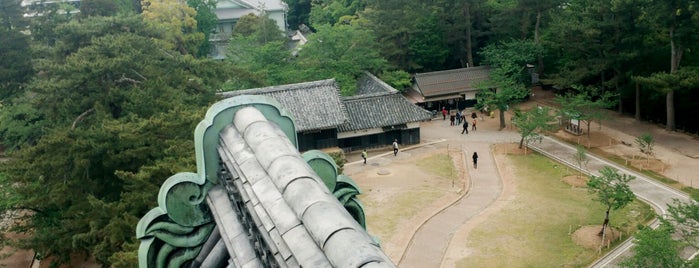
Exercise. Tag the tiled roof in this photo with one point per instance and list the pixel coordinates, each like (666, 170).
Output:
(451, 81)
(385, 107)
(314, 105)
(368, 83)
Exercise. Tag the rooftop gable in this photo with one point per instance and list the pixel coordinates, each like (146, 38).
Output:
(380, 105)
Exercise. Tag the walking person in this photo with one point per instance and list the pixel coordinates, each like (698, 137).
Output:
(465, 127)
(473, 126)
(475, 160)
(458, 117)
(451, 120)
(395, 147)
(444, 113)
(364, 155)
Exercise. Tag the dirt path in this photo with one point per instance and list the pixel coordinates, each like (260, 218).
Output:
(435, 229)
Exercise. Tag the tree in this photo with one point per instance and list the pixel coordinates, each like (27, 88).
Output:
(581, 158)
(654, 248)
(342, 52)
(176, 22)
(393, 22)
(676, 20)
(261, 28)
(334, 11)
(269, 63)
(20, 124)
(669, 84)
(98, 8)
(612, 190)
(298, 12)
(532, 123)
(645, 144)
(116, 117)
(16, 67)
(508, 78)
(587, 105)
(684, 220)
(206, 22)
(427, 46)
(398, 79)
(258, 47)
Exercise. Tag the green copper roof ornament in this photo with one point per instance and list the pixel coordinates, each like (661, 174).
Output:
(173, 233)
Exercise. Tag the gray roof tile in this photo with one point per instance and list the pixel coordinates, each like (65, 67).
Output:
(295, 210)
(314, 105)
(380, 105)
(381, 110)
(451, 82)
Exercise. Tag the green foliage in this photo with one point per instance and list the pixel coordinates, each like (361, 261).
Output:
(531, 124)
(427, 46)
(15, 66)
(270, 62)
(299, 11)
(177, 24)
(261, 29)
(393, 22)
(683, 218)
(105, 124)
(507, 82)
(340, 159)
(342, 52)
(98, 8)
(645, 143)
(334, 11)
(206, 22)
(398, 79)
(654, 248)
(581, 158)
(611, 189)
(20, 125)
(586, 105)
(682, 80)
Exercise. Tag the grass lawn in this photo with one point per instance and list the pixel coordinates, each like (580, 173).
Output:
(533, 228)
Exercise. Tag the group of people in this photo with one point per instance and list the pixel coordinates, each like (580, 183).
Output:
(455, 119)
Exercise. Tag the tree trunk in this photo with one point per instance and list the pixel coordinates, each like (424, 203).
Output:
(589, 122)
(521, 143)
(638, 102)
(502, 119)
(469, 45)
(606, 222)
(618, 91)
(540, 58)
(670, 102)
(675, 58)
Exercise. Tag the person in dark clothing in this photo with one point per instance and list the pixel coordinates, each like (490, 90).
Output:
(465, 127)
(452, 118)
(475, 160)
